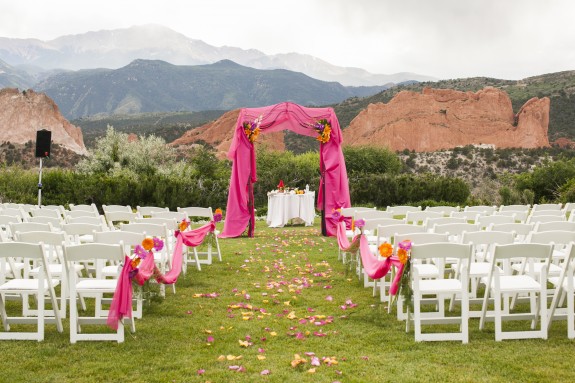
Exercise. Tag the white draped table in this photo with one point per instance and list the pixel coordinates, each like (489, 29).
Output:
(282, 207)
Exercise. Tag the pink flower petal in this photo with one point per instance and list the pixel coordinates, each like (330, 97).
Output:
(265, 372)
(329, 298)
(201, 372)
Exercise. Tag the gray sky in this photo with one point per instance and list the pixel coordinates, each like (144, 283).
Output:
(508, 39)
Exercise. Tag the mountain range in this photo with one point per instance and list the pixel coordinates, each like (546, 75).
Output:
(157, 86)
(116, 48)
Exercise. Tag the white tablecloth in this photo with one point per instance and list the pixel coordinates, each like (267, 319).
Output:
(282, 207)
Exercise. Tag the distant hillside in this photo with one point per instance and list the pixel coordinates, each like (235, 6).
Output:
(559, 87)
(157, 86)
(11, 77)
(169, 126)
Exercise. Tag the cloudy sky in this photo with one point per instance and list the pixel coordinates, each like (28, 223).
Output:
(508, 39)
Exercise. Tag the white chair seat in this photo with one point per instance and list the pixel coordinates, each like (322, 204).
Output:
(439, 286)
(481, 269)
(552, 269)
(97, 284)
(55, 269)
(25, 284)
(516, 283)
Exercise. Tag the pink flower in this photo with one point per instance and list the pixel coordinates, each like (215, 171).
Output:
(265, 372)
(201, 372)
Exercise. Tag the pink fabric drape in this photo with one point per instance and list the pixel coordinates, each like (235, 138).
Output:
(373, 267)
(298, 119)
(121, 305)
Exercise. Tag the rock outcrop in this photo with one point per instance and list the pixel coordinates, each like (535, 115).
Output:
(24, 113)
(438, 119)
(219, 135)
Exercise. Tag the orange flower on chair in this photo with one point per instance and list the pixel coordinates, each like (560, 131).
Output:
(385, 250)
(148, 244)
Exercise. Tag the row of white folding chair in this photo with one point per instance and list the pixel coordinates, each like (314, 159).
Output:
(500, 288)
(402, 210)
(514, 208)
(84, 207)
(15, 212)
(544, 218)
(481, 209)
(445, 210)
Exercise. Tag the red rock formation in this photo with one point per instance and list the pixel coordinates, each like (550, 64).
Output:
(219, 134)
(438, 119)
(22, 114)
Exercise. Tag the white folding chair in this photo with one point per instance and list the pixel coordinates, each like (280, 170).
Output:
(535, 219)
(129, 240)
(40, 288)
(402, 210)
(482, 209)
(468, 216)
(55, 222)
(431, 222)
(30, 226)
(454, 230)
(442, 288)
(482, 243)
(426, 270)
(69, 214)
(83, 207)
(563, 285)
(521, 230)
(485, 221)
(445, 210)
(419, 217)
(96, 287)
(5, 221)
(80, 232)
(53, 246)
(113, 218)
(146, 211)
(110, 208)
(52, 213)
(504, 286)
(554, 225)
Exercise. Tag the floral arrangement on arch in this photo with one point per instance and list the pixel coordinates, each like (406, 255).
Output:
(323, 128)
(146, 249)
(404, 257)
(252, 128)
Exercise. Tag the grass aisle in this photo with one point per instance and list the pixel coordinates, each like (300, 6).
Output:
(280, 294)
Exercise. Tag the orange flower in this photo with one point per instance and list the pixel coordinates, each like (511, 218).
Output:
(218, 211)
(183, 225)
(385, 250)
(148, 244)
(402, 255)
(135, 262)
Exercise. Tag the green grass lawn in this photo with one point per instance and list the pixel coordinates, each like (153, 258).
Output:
(276, 295)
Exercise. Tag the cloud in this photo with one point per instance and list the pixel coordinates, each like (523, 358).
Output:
(444, 38)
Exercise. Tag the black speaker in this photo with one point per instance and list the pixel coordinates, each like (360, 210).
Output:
(43, 139)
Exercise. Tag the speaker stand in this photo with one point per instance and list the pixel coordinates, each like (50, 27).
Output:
(40, 185)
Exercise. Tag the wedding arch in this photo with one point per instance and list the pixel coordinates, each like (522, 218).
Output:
(333, 192)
